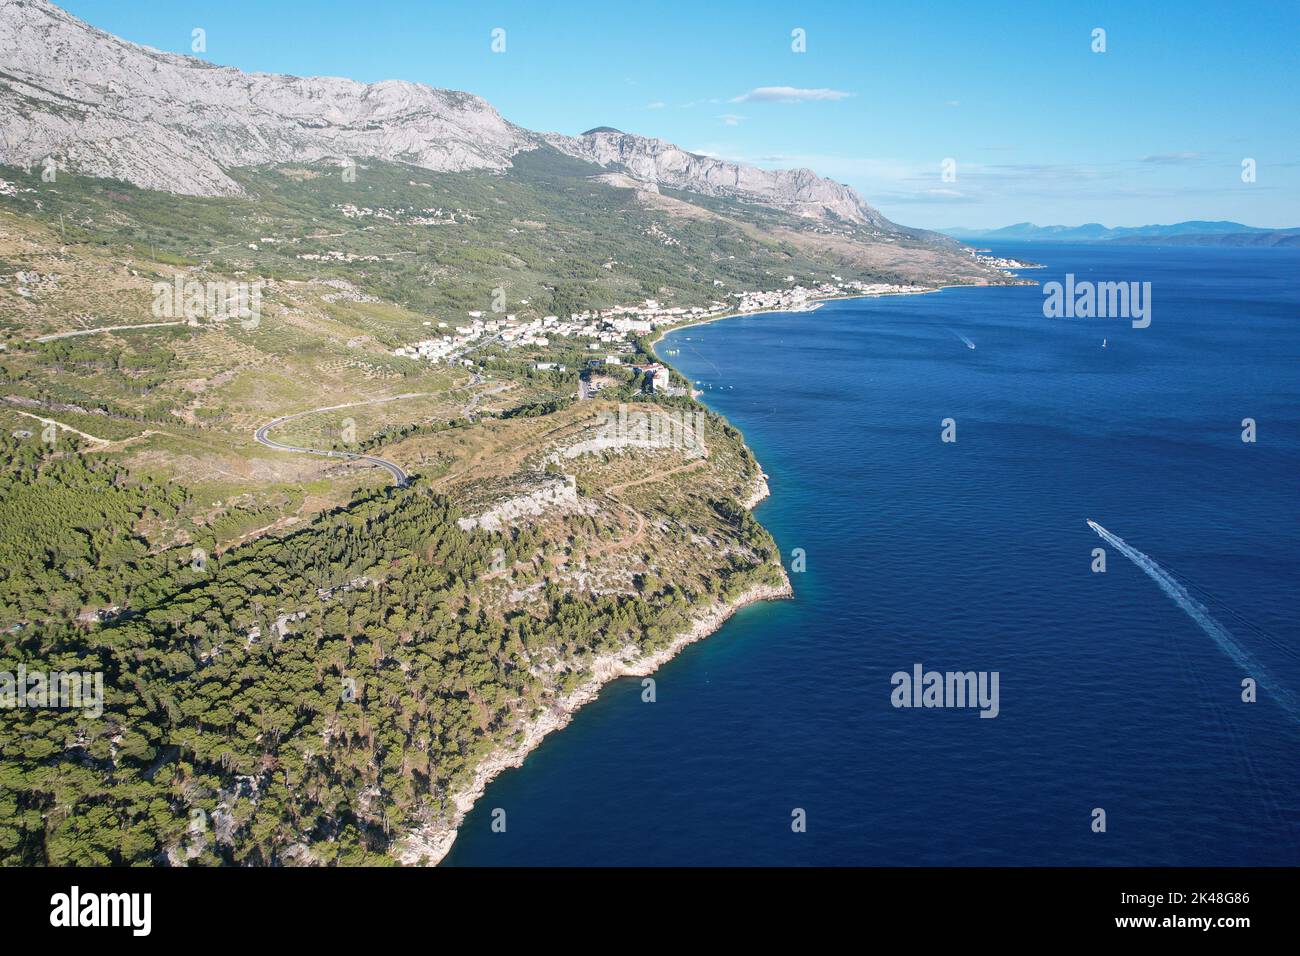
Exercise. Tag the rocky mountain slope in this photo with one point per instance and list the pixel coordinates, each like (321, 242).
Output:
(101, 106)
(105, 107)
(799, 191)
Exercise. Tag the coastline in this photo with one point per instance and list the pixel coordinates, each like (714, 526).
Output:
(815, 304)
(429, 845)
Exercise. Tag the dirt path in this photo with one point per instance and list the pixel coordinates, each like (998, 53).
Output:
(468, 411)
(627, 541)
(105, 328)
(101, 444)
(613, 490)
(93, 439)
(276, 525)
(637, 536)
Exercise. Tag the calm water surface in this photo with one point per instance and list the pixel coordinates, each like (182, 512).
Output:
(975, 556)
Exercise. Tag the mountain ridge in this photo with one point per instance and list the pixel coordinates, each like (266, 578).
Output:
(649, 159)
(96, 104)
(1187, 232)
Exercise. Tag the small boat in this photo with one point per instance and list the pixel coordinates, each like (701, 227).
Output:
(1103, 343)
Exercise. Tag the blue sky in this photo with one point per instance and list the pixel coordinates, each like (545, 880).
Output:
(1039, 126)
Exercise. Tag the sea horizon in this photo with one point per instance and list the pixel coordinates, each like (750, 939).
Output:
(787, 706)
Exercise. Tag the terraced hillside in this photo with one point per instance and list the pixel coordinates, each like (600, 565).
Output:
(304, 661)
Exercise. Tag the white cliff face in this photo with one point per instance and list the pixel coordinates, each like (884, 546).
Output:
(101, 106)
(105, 107)
(654, 161)
(559, 495)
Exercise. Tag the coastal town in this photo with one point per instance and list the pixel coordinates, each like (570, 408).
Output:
(617, 328)
(1002, 262)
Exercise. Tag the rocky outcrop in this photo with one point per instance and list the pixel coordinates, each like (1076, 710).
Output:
(428, 844)
(104, 107)
(654, 161)
(559, 495)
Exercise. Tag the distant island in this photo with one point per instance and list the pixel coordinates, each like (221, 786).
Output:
(1194, 232)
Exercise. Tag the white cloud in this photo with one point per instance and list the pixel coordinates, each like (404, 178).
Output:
(788, 94)
(731, 119)
(1170, 159)
(656, 105)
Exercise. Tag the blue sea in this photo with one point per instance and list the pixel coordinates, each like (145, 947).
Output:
(975, 555)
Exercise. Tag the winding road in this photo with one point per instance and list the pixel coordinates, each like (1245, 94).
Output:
(399, 475)
(393, 469)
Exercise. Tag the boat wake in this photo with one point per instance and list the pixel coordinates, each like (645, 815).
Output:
(968, 342)
(1201, 615)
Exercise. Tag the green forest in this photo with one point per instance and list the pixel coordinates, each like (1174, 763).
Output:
(311, 695)
(297, 699)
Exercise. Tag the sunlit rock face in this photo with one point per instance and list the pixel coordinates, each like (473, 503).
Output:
(95, 104)
(105, 107)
